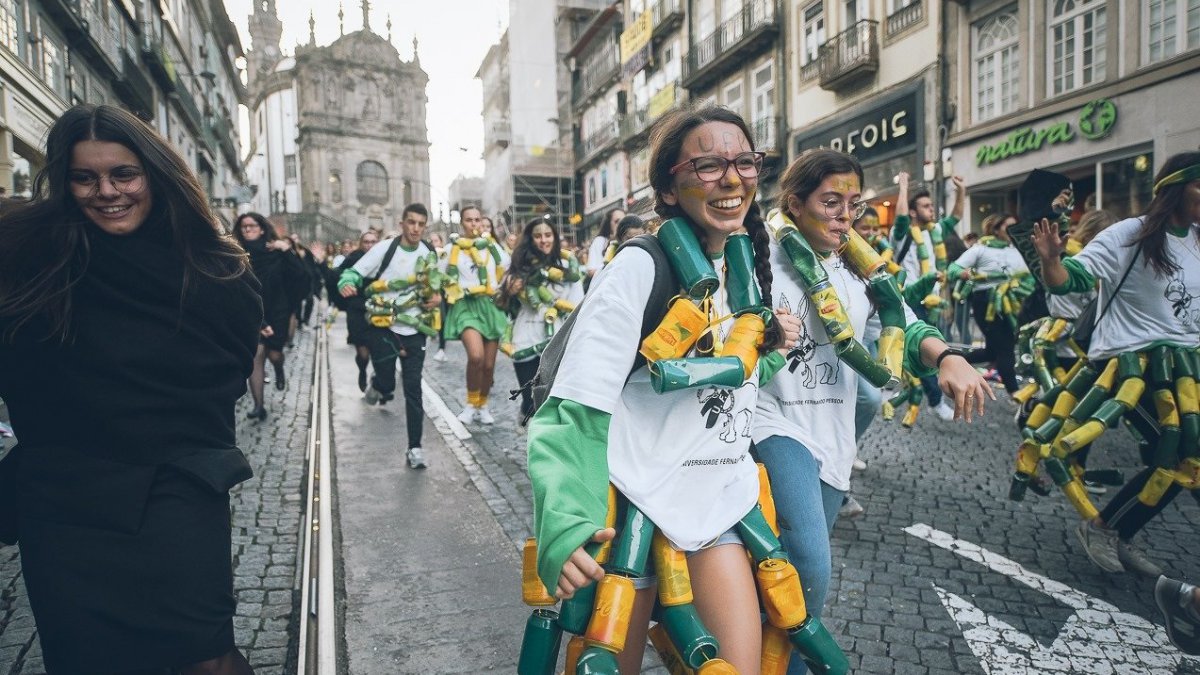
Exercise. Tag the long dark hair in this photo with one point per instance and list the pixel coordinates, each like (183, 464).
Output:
(666, 143)
(805, 175)
(526, 257)
(610, 228)
(45, 250)
(1160, 217)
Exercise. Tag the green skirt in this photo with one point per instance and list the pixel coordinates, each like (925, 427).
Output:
(478, 312)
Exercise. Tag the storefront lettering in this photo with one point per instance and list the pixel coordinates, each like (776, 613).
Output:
(1096, 121)
(872, 134)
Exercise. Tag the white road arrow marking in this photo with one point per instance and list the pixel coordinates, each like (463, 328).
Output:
(1098, 638)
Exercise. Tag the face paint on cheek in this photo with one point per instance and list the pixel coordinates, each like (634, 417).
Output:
(694, 192)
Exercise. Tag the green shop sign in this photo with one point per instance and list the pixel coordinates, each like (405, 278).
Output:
(1096, 121)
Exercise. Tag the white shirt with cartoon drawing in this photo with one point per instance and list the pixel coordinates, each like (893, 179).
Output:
(1148, 308)
(681, 457)
(812, 399)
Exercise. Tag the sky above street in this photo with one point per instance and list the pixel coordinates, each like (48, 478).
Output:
(454, 36)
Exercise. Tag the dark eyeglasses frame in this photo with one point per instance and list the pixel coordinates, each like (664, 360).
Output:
(725, 163)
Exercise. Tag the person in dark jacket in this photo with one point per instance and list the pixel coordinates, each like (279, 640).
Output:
(357, 328)
(128, 325)
(278, 269)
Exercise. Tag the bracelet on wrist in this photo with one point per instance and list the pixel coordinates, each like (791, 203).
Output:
(948, 351)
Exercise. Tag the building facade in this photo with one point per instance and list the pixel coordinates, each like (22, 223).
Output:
(1098, 90)
(340, 140)
(174, 63)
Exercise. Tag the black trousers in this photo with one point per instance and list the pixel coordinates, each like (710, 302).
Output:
(998, 339)
(525, 372)
(388, 347)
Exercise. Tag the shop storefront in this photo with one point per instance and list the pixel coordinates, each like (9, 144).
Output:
(1110, 148)
(886, 134)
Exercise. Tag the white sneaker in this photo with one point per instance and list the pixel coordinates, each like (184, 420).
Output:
(440, 355)
(944, 411)
(371, 395)
(850, 508)
(859, 465)
(468, 415)
(484, 416)
(416, 458)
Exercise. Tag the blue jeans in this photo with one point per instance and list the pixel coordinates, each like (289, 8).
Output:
(807, 509)
(866, 404)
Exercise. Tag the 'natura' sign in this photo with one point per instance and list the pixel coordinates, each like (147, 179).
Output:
(1096, 120)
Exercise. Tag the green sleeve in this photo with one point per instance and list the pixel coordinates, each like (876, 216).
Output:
(954, 270)
(948, 223)
(349, 277)
(769, 364)
(900, 227)
(568, 467)
(914, 333)
(1079, 280)
(915, 292)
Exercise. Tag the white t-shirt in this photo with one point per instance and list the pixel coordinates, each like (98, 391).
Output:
(529, 328)
(1148, 308)
(403, 264)
(596, 251)
(812, 398)
(682, 457)
(986, 260)
(468, 273)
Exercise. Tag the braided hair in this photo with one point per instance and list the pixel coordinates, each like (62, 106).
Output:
(666, 142)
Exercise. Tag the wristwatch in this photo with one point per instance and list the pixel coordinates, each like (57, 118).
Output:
(949, 351)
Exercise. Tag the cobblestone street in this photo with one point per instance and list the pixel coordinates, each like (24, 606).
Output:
(266, 513)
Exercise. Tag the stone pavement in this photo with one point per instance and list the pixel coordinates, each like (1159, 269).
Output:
(894, 589)
(266, 514)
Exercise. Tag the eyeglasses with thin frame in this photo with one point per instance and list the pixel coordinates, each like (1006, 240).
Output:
(713, 167)
(835, 207)
(124, 179)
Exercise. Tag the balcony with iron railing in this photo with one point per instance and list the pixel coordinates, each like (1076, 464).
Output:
(905, 18)
(160, 63)
(603, 137)
(222, 132)
(599, 69)
(810, 70)
(191, 112)
(768, 137)
(752, 30)
(850, 55)
(134, 86)
(666, 15)
(635, 124)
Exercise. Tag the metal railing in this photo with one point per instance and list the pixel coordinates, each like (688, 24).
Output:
(665, 12)
(853, 52)
(905, 17)
(596, 141)
(754, 17)
(634, 123)
(811, 70)
(766, 135)
(598, 70)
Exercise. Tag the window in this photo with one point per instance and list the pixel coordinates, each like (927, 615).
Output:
(897, 5)
(997, 61)
(814, 33)
(855, 11)
(1078, 32)
(335, 186)
(10, 33)
(1173, 26)
(733, 97)
(372, 183)
(289, 168)
(763, 98)
(54, 61)
(706, 18)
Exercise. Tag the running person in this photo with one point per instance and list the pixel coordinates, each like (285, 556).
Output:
(474, 264)
(356, 309)
(400, 340)
(682, 456)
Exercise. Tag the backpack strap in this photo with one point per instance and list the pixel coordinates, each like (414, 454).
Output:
(387, 260)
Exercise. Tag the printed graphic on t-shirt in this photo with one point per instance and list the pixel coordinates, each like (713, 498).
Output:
(801, 356)
(717, 410)
(1182, 302)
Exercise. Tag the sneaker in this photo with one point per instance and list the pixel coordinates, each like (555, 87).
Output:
(944, 410)
(1136, 561)
(485, 416)
(371, 395)
(1095, 488)
(850, 508)
(416, 458)
(440, 356)
(468, 415)
(1182, 621)
(859, 465)
(1100, 544)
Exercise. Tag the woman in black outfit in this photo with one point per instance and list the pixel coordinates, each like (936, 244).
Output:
(128, 324)
(355, 306)
(278, 270)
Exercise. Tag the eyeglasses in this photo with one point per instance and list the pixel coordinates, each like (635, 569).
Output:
(124, 179)
(712, 167)
(835, 207)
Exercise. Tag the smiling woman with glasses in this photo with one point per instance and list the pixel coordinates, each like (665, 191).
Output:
(128, 324)
(714, 167)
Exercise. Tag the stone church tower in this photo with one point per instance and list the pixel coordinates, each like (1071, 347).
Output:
(361, 142)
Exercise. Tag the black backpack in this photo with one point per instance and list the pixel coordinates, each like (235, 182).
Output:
(665, 287)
